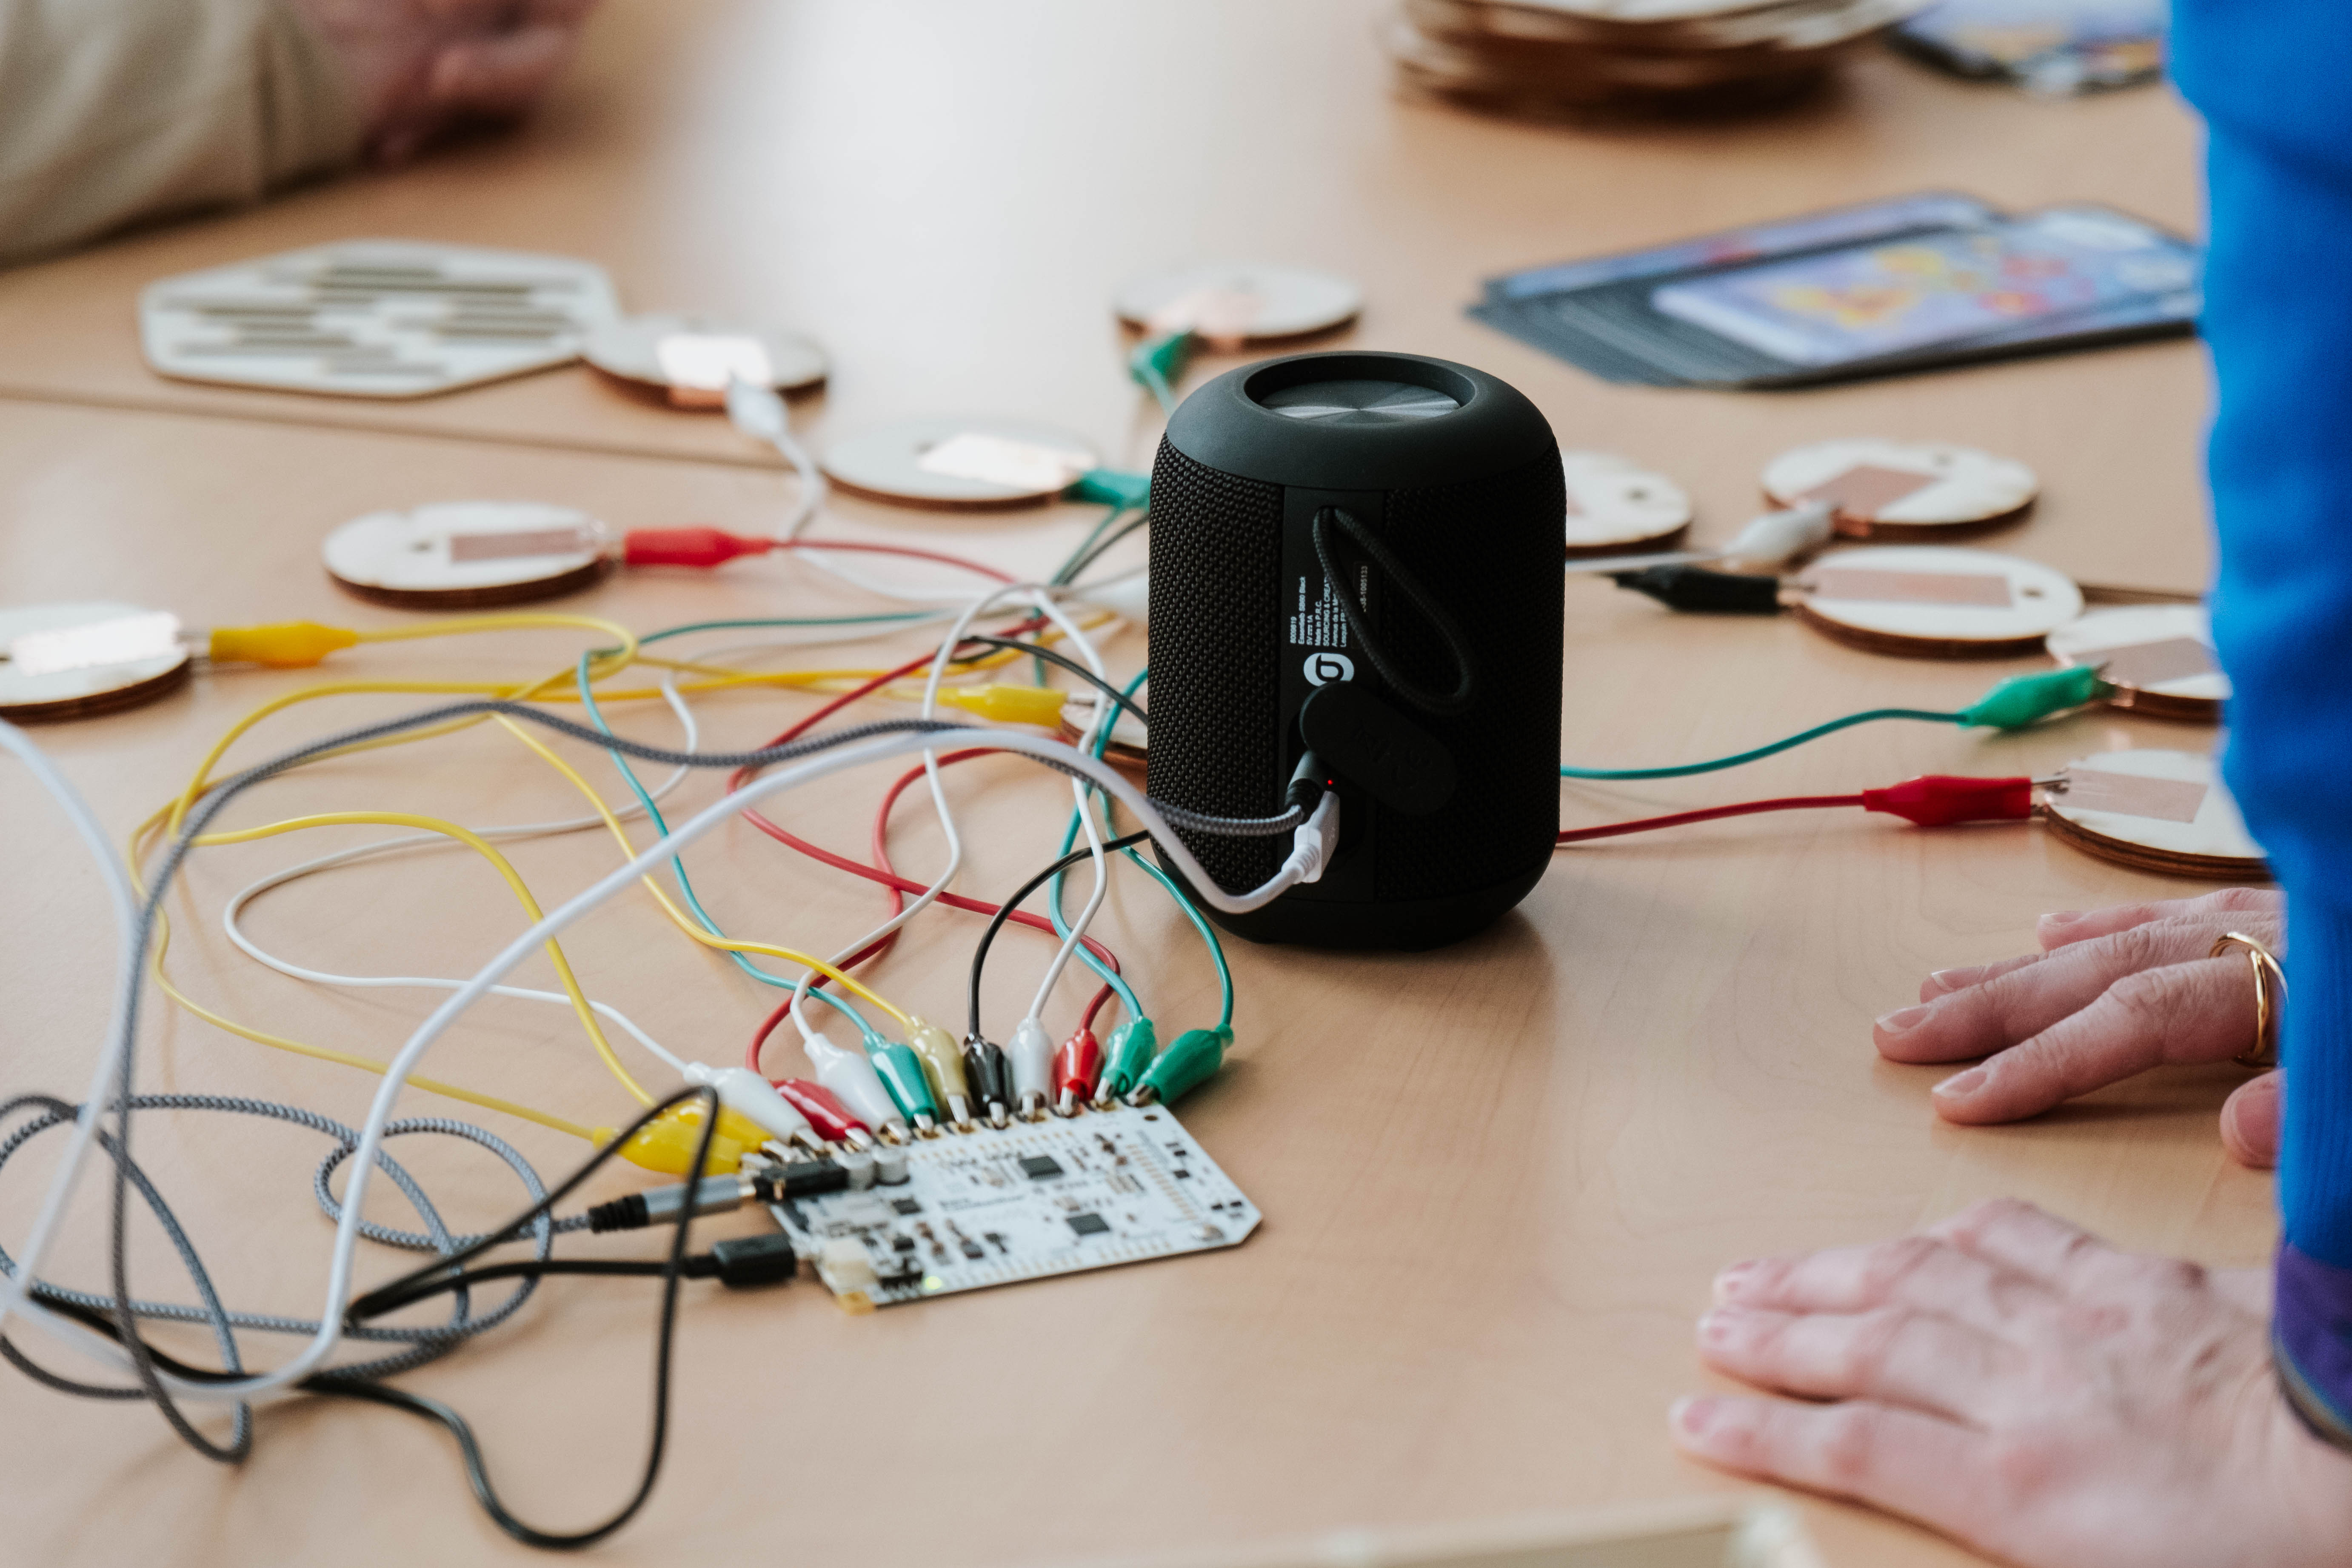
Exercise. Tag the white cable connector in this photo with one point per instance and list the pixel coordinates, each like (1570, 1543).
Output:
(1776, 537)
(753, 1097)
(756, 410)
(1031, 1055)
(1315, 841)
(849, 1074)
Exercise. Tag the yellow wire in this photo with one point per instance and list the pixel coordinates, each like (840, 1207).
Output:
(347, 1058)
(627, 652)
(483, 848)
(322, 1053)
(465, 626)
(678, 916)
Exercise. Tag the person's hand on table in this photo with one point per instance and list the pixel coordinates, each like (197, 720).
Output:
(2012, 1380)
(421, 66)
(2115, 992)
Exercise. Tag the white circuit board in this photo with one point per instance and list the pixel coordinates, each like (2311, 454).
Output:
(995, 1207)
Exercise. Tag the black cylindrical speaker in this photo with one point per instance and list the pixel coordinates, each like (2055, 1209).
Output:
(1430, 692)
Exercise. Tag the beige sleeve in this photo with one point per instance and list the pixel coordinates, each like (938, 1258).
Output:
(113, 110)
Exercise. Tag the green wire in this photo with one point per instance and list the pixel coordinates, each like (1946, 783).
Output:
(1208, 933)
(677, 866)
(1814, 733)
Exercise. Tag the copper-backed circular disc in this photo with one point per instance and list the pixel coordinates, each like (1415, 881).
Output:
(80, 693)
(688, 358)
(1895, 491)
(1614, 506)
(1239, 302)
(1930, 602)
(2158, 657)
(2160, 811)
(469, 555)
(960, 463)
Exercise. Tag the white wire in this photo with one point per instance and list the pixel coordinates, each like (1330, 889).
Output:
(691, 735)
(759, 412)
(1078, 795)
(15, 1290)
(363, 1160)
(954, 638)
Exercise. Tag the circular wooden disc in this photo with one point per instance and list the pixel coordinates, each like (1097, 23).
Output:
(1903, 489)
(2161, 656)
(80, 693)
(690, 359)
(468, 555)
(951, 462)
(1613, 505)
(2154, 811)
(1129, 741)
(1925, 602)
(1234, 302)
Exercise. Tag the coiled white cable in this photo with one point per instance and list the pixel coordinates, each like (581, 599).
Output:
(691, 735)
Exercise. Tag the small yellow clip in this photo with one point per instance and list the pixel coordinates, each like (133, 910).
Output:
(1039, 705)
(668, 1145)
(285, 645)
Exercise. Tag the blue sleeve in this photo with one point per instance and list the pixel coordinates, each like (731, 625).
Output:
(2269, 77)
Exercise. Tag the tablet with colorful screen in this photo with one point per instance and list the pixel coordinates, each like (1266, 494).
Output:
(1868, 301)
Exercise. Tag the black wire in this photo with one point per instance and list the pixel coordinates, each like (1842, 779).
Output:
(1004, 910)
(388, 1298)
(533, 1269)
(1440, 703)
(384, 1298)
(1073, 666)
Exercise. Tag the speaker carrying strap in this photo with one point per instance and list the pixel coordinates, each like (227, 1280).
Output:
(1442, 703)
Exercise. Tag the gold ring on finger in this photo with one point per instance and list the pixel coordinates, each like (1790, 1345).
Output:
(2270, 999)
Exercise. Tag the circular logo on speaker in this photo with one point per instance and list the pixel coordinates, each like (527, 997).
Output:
(1324, 666)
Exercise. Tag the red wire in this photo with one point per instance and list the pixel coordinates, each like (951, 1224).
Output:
(1744, 808)
(885, 875)
(889, 877)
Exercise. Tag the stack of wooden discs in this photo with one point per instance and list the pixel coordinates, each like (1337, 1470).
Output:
(1572, 58)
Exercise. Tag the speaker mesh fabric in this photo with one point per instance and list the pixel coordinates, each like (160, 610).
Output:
(1216, 688)
(1488, 550)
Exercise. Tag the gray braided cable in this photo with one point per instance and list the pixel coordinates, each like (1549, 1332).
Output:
(426, 1342)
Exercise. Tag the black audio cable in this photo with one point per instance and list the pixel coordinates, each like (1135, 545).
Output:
(387, 1296)
(747, 1264)
(1442, 703)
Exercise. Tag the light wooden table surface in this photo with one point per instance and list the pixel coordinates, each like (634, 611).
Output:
(1496, 1178)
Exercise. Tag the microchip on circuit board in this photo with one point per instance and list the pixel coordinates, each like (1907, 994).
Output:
(997, 1206)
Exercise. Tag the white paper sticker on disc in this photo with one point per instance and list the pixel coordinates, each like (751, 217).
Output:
(948, 461)
(469, 551)
(373, 318)
(1612, 504)
(2158, 810)
(1933, 600)
(2161, 656)
(1234, 302)
(64, 660)
(1891, 486)
(693, 359)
